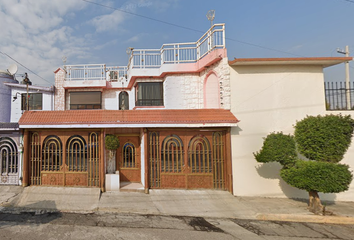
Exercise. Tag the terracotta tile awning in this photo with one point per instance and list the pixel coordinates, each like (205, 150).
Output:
(131, 117)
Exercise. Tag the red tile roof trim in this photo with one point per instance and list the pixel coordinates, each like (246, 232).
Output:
(162, 116)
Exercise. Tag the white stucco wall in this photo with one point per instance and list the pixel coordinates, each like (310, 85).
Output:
(16, 112)
(270, 99)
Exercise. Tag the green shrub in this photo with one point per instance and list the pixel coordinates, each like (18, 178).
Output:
(112, 142)
(318, 176)
(277, 147)
(324, 138)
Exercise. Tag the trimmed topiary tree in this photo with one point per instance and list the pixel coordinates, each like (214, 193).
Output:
(323, 140)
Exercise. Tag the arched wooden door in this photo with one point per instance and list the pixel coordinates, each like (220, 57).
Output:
(128, 159)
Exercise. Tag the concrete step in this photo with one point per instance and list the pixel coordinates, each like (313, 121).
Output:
(131, 187)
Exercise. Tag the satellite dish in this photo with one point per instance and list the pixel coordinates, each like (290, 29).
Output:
(211, 15)
(12, 69)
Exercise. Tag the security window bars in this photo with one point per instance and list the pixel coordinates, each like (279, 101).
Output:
(52, 154)
(129, 153)
(199, 155)
(172, 154)
(149, 94)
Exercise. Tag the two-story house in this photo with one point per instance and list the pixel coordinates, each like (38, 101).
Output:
(170, 109)
(173, 110)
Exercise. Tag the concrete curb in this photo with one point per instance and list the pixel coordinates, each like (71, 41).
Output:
(306, 218)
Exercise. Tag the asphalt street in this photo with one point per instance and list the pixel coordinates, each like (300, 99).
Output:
(42, 225)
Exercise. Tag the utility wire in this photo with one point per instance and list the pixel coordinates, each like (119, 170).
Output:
(24, 66)
(351, 1)
(188, 28)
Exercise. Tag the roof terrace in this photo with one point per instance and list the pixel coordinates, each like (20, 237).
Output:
(141, 60)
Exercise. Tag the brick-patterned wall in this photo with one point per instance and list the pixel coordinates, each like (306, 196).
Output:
(59, 102)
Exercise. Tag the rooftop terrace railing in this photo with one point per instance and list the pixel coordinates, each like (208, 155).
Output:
(85, 72)
(94, 72)
(172, 53)
(175, 53)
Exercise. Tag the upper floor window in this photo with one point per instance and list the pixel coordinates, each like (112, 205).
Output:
(34, 101)
(149, 94)
(85, 100)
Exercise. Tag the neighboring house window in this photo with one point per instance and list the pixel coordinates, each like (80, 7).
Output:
(85, 100)
(123, 101)
(149, 94)
(34, 101)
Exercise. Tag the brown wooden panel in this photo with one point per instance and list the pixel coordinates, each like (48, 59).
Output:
(76, 179)
(55, 179)
(173, 181)
(200, 181)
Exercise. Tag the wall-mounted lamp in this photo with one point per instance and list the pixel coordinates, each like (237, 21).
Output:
(15, 97)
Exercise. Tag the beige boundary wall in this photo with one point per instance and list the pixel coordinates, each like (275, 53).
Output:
(270, 99)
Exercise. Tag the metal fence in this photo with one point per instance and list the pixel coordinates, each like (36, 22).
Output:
(336, 96)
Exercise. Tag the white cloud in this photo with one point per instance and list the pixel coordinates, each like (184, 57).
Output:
(32, 32)
(115, 19)
(108, 22)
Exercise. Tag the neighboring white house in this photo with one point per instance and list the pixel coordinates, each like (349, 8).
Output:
(270, 95)
(39, 98)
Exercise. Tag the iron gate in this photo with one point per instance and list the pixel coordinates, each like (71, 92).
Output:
(187, 160)
(64, 161)
(8, 161)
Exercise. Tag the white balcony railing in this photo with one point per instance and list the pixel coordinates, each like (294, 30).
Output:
(94, 72)
(85, 72)
(173, 53)
(116, 73)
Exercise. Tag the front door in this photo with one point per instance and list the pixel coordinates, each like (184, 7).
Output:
(128, 159)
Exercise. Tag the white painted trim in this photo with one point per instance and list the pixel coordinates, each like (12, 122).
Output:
(196, 125)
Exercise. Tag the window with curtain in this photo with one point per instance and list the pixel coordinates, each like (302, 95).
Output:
(149, 94)
(34, 101)
(85, 100)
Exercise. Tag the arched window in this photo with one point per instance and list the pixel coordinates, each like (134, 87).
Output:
(211, 91)
(52, 151)
(123, 101)
(172, 154)
(129, 155)
(199, 155)
(8, 156)
(76, 150)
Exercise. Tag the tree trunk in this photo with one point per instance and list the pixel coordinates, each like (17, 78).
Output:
(111, 162)
(315, 205)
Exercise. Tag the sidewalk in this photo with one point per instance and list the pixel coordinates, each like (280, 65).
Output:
(203, 203)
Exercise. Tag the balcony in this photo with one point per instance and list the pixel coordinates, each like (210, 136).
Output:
(146, 62)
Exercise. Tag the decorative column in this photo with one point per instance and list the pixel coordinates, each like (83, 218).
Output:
(25, 166)
(146, 159)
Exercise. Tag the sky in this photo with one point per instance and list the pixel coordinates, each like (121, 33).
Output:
(37, 34)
